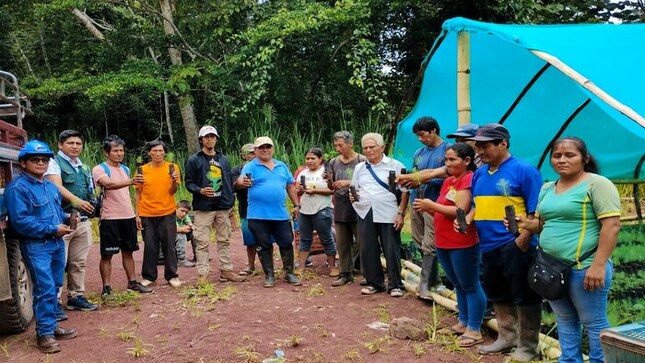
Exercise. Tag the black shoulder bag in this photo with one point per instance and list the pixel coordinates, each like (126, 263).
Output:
(549, 276)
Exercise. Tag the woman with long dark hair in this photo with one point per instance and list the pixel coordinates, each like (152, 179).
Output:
(579, 212)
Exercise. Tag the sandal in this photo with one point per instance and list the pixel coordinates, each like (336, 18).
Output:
(465, 341)
(452, 330)
(247, 271)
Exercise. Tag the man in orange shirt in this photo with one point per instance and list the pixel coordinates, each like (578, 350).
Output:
(155, 213)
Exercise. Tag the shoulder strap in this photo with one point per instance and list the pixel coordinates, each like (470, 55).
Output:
(105, 167)
(369, 168)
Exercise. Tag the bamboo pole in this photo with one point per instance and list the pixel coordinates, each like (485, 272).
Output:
(549, 347)
(590, 86)
(463, 78)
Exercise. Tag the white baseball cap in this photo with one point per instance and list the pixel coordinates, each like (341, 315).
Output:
(263, 140)
(207, 130)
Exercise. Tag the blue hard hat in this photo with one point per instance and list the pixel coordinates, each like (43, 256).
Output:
(34, 147)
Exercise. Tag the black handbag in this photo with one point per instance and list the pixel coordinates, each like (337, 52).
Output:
(549, 276)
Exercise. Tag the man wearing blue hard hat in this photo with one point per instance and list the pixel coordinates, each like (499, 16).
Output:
(36, 216)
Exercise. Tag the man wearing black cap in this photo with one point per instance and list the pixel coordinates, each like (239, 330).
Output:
(208, 178)
(504, 180)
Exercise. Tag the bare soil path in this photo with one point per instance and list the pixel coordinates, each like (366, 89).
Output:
(241, 322)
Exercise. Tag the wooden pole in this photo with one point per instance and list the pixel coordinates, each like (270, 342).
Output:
(463, 78)
(590, 86)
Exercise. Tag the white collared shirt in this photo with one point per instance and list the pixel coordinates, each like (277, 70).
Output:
(54, 168)
(373, 195)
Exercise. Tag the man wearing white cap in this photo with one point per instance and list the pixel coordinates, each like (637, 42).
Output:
(208, 178)
(270, 182)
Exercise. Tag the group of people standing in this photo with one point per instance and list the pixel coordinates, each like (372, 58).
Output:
(365, 196)
(578, 213)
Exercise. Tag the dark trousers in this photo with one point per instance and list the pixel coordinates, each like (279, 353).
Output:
(266, 232)
(347, 243)
(505, 269)
(377, 238)
(159, 232)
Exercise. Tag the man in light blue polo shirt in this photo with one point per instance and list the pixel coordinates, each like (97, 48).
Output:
(269, 184)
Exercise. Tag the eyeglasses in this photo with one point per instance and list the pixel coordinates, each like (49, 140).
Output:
(43, 160)
(265, 146)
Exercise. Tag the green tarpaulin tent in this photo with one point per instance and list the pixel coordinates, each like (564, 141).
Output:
(530, 78)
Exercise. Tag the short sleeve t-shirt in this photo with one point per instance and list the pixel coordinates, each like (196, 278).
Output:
(156, 200)
(117, 203)
(313, 203)
(343, 210)
(268, 194)
(574, 215)
(445, 234)
(515, 183)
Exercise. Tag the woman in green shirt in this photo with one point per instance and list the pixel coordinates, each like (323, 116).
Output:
(579, 212)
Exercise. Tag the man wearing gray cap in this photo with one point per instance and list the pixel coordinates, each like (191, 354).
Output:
(462, 134)
(208, 178)
(247, 153)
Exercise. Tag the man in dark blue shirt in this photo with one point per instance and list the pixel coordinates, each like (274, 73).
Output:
(36, 216)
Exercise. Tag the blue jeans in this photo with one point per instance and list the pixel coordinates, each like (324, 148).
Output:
(247, 236)
(586, 307)
(46, 264)
(321, 222)
(462, 268)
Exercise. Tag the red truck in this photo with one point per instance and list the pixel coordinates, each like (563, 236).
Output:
(15, 284)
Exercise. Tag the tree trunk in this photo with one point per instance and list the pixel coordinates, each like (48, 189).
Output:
(185, 102)
(87, 22)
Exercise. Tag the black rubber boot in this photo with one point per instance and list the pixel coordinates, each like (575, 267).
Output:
(529, 331)
(266, 259)
(287, 266)
(506, 316)
(427, 280)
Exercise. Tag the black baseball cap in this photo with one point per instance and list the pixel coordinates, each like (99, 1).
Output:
(490, 132)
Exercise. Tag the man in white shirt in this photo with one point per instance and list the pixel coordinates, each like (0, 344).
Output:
(380, 216)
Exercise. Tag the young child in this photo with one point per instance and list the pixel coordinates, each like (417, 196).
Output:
(184, 233)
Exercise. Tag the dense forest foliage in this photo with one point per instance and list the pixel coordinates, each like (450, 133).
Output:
(144, 69)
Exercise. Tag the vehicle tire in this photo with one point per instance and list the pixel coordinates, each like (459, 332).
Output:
(17, 312)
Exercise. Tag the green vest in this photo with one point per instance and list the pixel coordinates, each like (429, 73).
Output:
(78, 183)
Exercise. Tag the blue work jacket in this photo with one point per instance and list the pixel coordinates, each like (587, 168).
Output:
(34, 208)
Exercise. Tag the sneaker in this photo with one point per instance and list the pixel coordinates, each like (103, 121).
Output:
(60, 313)
(309, 262)
(363, 281)
(136, 286)
(174, 282)
(106, 294)
(396, 292)
(228, 275)
(185, 263)
(80, 303)
(146, 283)
(370, 290)
(342, 280)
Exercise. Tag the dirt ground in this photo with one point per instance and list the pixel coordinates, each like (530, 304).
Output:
(241, 322)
